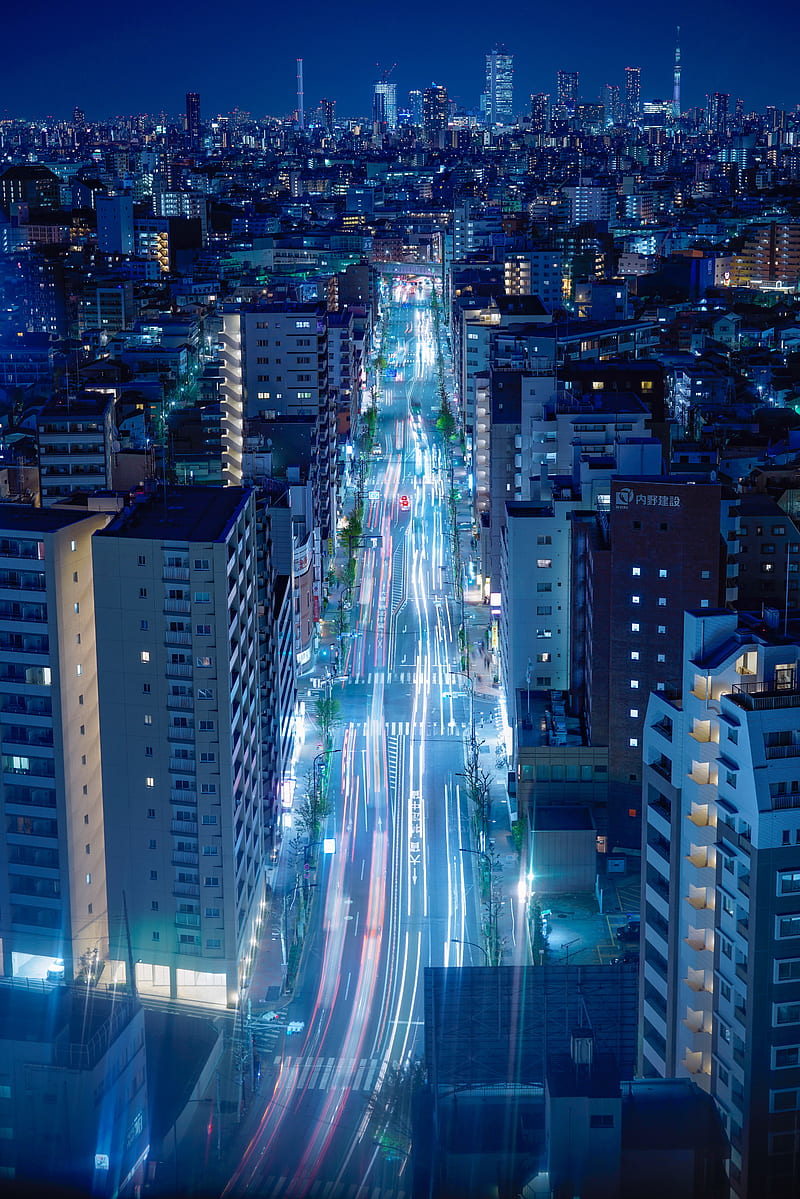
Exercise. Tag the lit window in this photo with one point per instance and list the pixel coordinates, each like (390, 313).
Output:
(662, 628)
(635, 627)
(703, 603)
(88, 880)
(662, 574)
(661, 657)
(634, 655)
(662, 601)
(633, 742)
(544, 657)
(150, 781)
(634, 712)
(73, 545)
(79, 669)
(203, 662)
(705, 574)
(145, 655)
(202, 597)
(634, 683)
(636, 571)
(544, 562)
(635, 599)
(148, 719)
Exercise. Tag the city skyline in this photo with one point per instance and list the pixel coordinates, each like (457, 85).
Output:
(716, 55)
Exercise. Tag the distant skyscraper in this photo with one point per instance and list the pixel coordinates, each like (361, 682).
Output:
(435, 106)
(567, 89)
(633, 92)
(301, 114)
(499, 87)
(328, 113)
(676, 77)
(540, 112)
(718, 111)
(384, 105)
(193, 120)
(611, 103)
(415, 108)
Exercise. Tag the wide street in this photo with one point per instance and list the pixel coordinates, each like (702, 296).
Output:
(398, 894)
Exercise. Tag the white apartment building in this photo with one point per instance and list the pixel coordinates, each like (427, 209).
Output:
(720, 980)
(176, 599)
(52, 865)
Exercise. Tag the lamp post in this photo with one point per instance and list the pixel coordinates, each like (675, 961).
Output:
(474, 944)
(321, 757)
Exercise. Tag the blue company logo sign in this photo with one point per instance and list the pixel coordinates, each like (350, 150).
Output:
(626, 497)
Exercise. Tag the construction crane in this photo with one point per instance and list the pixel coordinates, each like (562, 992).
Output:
(385, 74)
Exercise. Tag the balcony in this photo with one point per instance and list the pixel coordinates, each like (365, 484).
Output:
(189, 797)
(180, 857)
(699, 815)
(184, 827)
(187, 920)
(782, 751)
(175, 574)
(698, 897)
(177, 607)
(183, 702)
(173, 637)
(179, 734)
(178, 670)
(186, 890)
(755, 696)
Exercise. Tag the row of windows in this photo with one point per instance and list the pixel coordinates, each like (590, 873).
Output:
(199, 563)
(203, 661)
(191, 939)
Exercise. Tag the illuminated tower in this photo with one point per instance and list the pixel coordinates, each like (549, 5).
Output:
(301, 116)
(676, 78)
(633, 92)
(193, 120)
(384, 105)
(499, 87)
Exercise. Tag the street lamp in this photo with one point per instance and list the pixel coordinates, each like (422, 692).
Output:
(325, 753)
(474, 944)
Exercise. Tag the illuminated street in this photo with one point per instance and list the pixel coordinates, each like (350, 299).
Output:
(398, 892)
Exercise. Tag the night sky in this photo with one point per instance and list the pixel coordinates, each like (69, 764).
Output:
(112, 58)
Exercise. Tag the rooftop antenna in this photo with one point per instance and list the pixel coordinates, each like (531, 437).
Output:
(301, 118)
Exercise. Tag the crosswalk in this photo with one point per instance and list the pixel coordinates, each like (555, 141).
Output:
(359, 1074)
(416, 728)
(437, 677)
(273, 1186)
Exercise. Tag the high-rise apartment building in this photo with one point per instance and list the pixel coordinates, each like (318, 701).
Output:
(718, 104)
(384, 105)
(52, 862)
(193, 120)
(75, 439)
(633, 93)
(416, 107)
(540, 112)
(567, 90)
(435, 113)
(611, 104)
(177, 628)
(499, 88)
(115, 224)
(720, 981)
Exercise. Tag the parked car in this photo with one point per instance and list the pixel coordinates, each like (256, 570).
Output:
(630, 931)
(630, 955)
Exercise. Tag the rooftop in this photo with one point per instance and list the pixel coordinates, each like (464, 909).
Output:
(179, 514)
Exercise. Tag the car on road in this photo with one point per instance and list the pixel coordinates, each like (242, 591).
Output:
(405, 503)
(630, 931)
